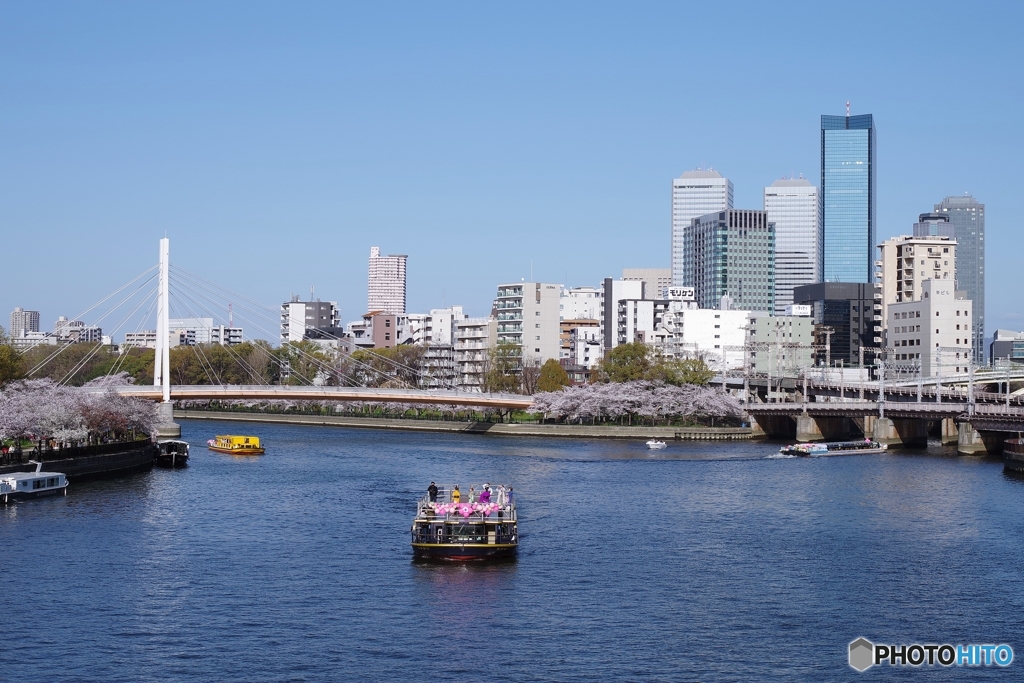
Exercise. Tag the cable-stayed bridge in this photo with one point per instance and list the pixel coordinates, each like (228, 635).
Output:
(810, 400)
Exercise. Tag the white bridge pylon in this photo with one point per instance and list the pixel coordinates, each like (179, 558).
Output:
(162, 359)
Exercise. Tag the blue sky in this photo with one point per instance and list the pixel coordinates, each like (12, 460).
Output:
(275, 143)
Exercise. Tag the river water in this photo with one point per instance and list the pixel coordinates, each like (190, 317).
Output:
(700, 562)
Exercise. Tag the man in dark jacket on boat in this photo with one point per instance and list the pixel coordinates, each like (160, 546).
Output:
(432, 492)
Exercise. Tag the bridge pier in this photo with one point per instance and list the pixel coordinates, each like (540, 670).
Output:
(901, 432)
(950, 433)
(166, 427)
(755, 429)
(775, 426)
(973, 442)
(807, 429)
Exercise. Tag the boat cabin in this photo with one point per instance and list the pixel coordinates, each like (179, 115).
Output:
(18, 485)
(237, 442)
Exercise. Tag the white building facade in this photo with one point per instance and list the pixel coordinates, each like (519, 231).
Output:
(907, 262)
(528, 316)
(23, 321)
(781, 345)
(474, 338)
(386, 283)
(694, 194)
(933, 331)
(581, 303)
(794, 207)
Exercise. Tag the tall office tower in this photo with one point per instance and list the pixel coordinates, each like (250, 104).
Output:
(386, 283)
(695, 193)
(848, 164)
(23, 321)
(794, 207)
(731, 254)
(967, 223)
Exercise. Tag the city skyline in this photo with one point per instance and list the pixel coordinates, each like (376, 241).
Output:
(146, 144)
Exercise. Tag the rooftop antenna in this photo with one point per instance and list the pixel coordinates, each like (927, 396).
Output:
(847, 108)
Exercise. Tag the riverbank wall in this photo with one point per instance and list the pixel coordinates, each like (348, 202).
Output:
(497, 428)
(137, 458)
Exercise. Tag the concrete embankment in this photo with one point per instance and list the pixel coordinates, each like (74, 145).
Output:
(137, 459)
(551, 430)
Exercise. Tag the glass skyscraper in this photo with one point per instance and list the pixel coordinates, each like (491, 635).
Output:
(694, 194)
(848, 163)
(967, 225)
(793, 206)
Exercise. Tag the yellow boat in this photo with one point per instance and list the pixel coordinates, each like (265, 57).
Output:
(236, 445)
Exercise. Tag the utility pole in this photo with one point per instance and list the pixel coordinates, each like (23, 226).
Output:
(881, 387)
(860, 350)
(970, 386)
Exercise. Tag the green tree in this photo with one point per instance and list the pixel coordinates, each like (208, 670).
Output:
(552, 376)
(304, 360)
(501, 371)
(637, 361)
(682, 371)
(10, 360)
(626, 363)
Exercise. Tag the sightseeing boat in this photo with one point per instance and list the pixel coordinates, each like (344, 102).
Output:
(805, 450)
(236, 445)
(172, 453)
(463, 530)
(22, 485)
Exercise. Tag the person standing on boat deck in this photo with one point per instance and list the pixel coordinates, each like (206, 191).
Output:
(502, 496)
(511, 497)
(456, 495)
(432, 492)
(485, 495)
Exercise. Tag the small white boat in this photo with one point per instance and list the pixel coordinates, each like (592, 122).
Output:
(656, 445)
(22, 485)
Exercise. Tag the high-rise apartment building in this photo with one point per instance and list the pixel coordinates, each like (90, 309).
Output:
(386, 283)
(656, 280)
(527, 314)
(793, 206)
(297, 317)
(848, 164)
(967, 225)
(695, 193)
(907, 262)
(23, 321)
(731, 253)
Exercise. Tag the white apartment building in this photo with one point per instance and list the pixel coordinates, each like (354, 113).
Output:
(198, 329)
(29, 339)
(298, 316)
(656, 280)
(614, 292)
(714, 335)
(441, 325)
(586, 346)
(637, 319)
(23, 321)
(386, 283)
(781, 345)
(906, 262)
(581, 303)
(794, 206)
(933, 331)
(528, 316)
(474, 338)
(694, 194)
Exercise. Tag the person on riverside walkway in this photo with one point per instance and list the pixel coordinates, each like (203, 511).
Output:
(432, 492)
(456, 495)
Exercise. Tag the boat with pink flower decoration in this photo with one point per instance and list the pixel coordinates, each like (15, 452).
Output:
(458, 526)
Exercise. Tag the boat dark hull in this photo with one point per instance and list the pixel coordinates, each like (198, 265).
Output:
(39, 493)
(468, 552)
(171, 461)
